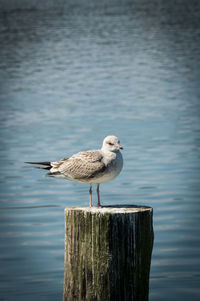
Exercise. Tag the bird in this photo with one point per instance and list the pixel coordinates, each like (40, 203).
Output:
(91, 166)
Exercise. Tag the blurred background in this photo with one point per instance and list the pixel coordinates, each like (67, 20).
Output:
(71, 73)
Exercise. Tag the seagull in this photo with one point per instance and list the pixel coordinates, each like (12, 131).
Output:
(92, 166)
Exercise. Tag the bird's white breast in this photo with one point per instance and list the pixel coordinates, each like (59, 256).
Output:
(114, 164)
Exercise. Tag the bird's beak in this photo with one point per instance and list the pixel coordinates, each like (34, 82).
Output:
(120, 147)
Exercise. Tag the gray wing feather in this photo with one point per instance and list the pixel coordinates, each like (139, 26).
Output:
(84, 165)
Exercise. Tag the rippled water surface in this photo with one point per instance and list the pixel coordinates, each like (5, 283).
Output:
(68, 78)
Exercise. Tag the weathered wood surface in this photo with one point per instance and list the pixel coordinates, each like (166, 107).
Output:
(107, 253)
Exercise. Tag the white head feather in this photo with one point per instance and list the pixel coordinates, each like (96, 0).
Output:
(111, 144)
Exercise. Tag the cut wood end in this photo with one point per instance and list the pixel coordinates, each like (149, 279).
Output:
(115, 209)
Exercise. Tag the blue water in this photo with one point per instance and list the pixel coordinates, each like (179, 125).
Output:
(68, 78)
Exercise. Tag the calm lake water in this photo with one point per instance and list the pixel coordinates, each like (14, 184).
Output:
(68, 78)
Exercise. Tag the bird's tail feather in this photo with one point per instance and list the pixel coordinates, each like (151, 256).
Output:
(55, 174)
(47, 165)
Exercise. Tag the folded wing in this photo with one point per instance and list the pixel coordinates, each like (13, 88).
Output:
(82, 166)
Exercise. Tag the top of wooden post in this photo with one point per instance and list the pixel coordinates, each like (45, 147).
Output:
(115, 209)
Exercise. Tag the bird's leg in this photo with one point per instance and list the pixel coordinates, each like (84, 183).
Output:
(90, 192)
(98, 197)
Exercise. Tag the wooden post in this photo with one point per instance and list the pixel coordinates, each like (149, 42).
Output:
(107, 253)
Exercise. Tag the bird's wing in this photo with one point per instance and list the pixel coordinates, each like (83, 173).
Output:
(81, 166)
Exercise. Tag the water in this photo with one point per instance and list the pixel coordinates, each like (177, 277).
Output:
(68, 78)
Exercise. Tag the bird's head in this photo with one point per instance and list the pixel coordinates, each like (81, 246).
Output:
(112, 144)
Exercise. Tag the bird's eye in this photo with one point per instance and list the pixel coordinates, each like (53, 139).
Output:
(110, 143)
